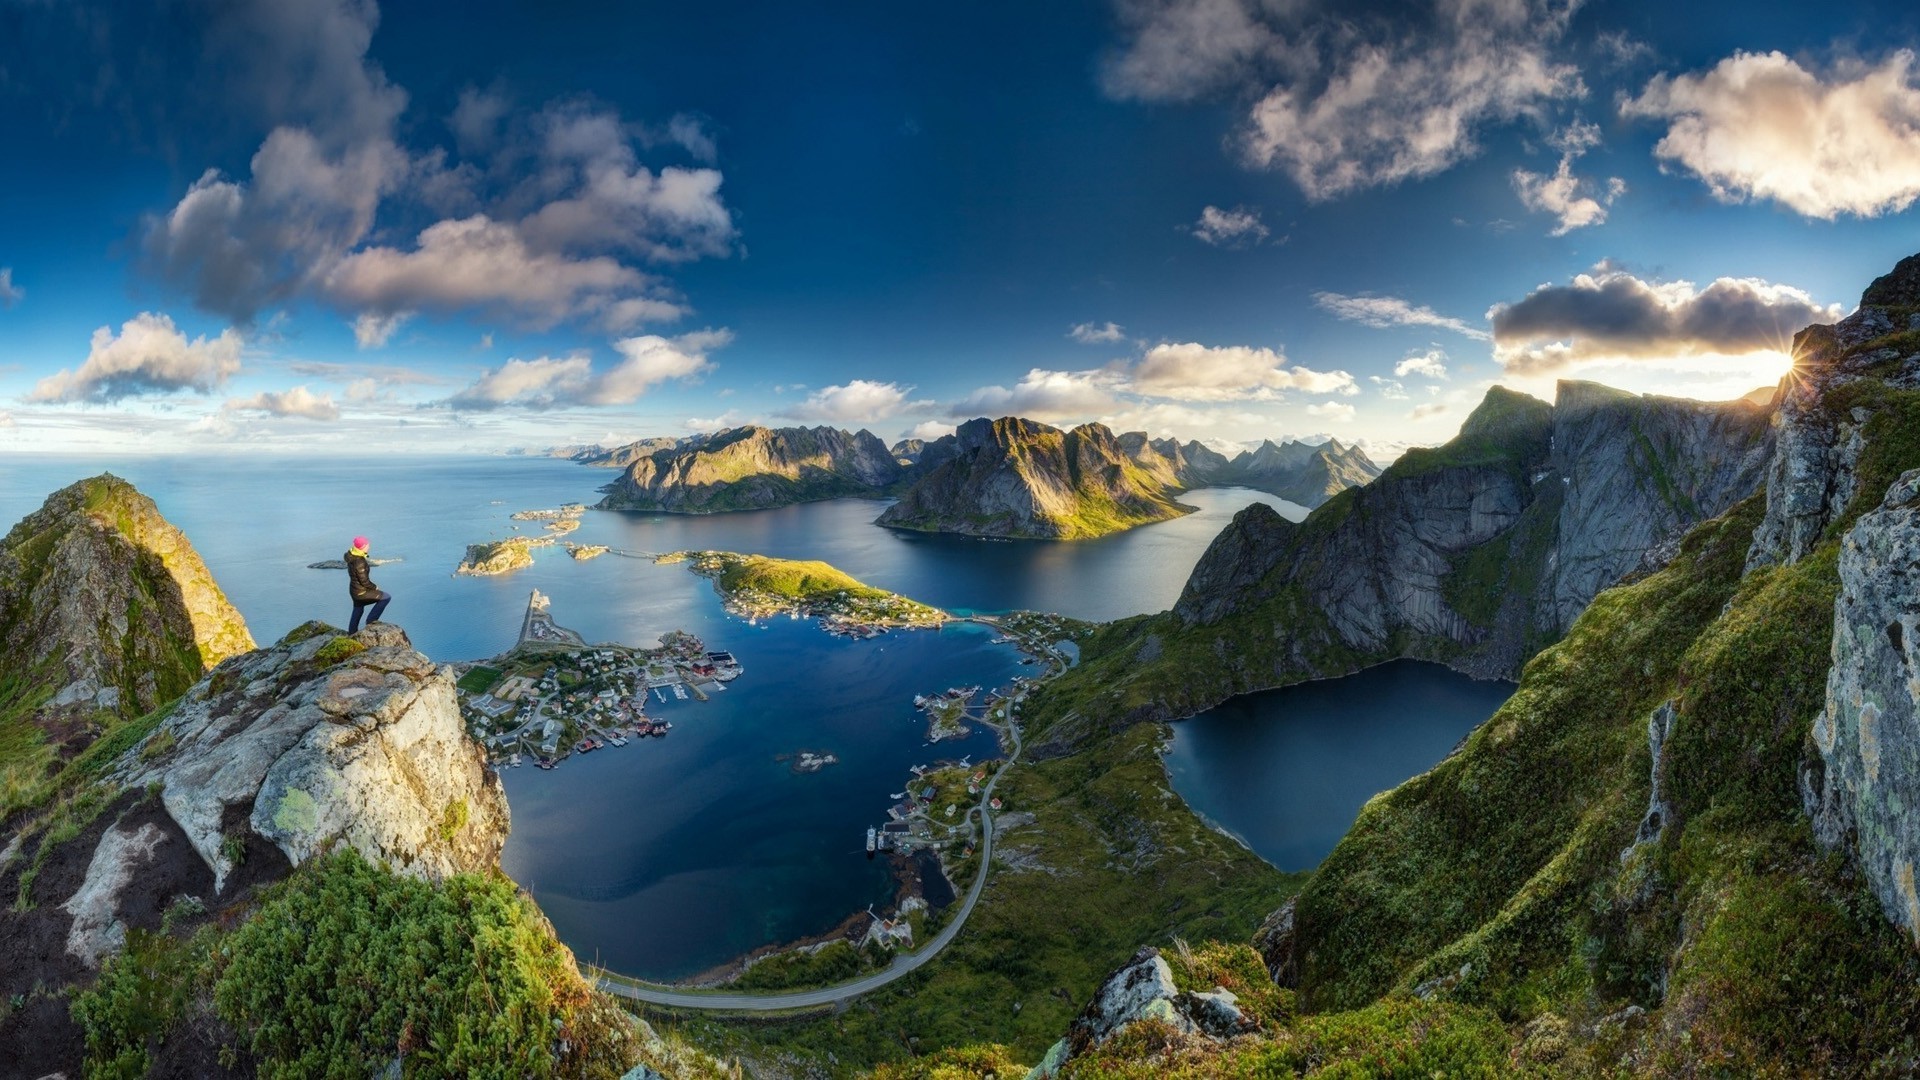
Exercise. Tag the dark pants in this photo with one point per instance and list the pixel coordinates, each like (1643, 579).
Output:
(379, 607)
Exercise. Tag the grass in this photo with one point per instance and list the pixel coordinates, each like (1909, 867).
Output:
(479, 679)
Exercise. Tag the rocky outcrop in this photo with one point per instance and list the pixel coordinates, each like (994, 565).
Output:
(1144, 989)
(1861, 788)
(326, 739)
(751, 468)
(1019, 478)
(105, 606)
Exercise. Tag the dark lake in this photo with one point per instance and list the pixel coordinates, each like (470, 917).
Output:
(668, 856)
(1288, 770)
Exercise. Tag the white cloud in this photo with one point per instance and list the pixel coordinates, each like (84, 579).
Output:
(706, 424)
(1337, 411)
(1613, 315)
(1391, 389)
(1385, 311)
(11, 294)
(371, 331)
(149, 355)
(1045, 395)
(1190, 371)
(1238, 227)
(647, 360)
(860, 401)
(929, 430)
(1760, 126)
(1563, 194)
(1087, 333)
(297, 402)
(479, 262)
(1339, 103)
(1427, 409)
(1431, 364)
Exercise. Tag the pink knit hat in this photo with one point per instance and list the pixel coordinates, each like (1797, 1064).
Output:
(360, 543)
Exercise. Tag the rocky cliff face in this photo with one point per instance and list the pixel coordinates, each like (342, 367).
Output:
(1474, 554)
(750, 468)
(327, 739)
(104, 608)
(1019, 478)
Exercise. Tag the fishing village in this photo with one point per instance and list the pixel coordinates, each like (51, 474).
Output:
(553, 695)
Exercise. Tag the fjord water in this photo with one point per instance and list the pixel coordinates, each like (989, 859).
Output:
(1288, 770)
(668, 856)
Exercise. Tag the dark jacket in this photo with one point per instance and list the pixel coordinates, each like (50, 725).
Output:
(359, 579)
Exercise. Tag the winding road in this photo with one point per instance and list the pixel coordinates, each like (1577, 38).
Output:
(833, 995)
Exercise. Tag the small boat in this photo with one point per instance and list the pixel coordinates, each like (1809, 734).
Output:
(514, 761)
(872, 837)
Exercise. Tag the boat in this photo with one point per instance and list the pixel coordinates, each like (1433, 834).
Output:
(898, 795)
(514, 761)
(872, 836)
(679, 691)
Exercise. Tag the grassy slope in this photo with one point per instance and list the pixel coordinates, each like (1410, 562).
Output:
(1123, 862)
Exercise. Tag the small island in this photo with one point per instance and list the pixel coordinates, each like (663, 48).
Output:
(583, 552)
(501, 556)
(759, 587)
(806, 761)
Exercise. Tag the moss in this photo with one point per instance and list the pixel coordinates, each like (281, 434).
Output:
(312, 628)
(339, 650)
(453, 819)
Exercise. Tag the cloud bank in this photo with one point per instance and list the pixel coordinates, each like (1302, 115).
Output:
(1613, 315)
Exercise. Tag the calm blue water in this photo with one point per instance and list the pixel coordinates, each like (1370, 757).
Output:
(1288, 770)
(668, 856)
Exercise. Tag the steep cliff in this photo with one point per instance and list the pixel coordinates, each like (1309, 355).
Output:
(1019, 478)
(749, 468)
(106, 612)
(1474, 554)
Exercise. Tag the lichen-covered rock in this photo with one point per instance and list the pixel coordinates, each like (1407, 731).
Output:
(325, 739)
(1141, 990)
(97, 931)
(1862, 788)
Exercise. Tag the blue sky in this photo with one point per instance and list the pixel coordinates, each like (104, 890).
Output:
(329, 225)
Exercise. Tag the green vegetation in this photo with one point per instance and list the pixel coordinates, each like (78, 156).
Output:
(1507, 429)
(833, 963)
(758, 586)
(479, 679)
(339, 650)
(346, 965)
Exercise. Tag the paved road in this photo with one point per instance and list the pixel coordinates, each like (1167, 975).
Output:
(833, 995)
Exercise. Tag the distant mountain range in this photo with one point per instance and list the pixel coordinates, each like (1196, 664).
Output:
(1010, 477)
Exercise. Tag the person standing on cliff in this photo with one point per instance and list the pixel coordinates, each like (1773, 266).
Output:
(361, 588)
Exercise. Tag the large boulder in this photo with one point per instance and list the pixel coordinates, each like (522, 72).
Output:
(326, 739)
